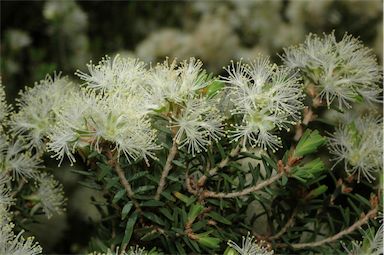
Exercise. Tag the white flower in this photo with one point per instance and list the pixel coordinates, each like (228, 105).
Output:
(11, 244)
(372, 245)
(14, 158)
(94, 120)
(251, 247)
(168, 82)
(359, 145)
(198, 125)
(119, 74)
(37, 109)
(6, 198)
(266, 97)
(50, 195)
(345, 71)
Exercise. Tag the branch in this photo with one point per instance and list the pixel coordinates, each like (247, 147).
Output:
(244, 191)
(168, 166)
(221, 165)
(188, 183)
(363, 220)
(285, 228)
(126, 185)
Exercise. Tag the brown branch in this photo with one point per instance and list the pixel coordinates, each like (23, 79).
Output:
(285, 228)
(221, 165)
(126, 185)
(188, 183)
(244, 191)
(362, 221)
(281, 169)
(168, 166)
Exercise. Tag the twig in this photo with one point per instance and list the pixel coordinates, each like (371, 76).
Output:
(188, 183)
(285, 228)
(363, 220)
(126, 185)
(221, 165)
(168, 166)
(244, 191)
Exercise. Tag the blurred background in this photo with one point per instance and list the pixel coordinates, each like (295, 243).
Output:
(40, 37)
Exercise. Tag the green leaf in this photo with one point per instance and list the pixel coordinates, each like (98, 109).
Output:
(166, 213)
(152, 203)
(221, 151)
(129, 228)
(284, 180)
(104, 170)
(184, 198)
(250, 155)
(199, 225)
(308, 171)
(137, 176)
(168, 196)
(118, 196)
(255, 171)
(144, 189)
(209, 242)
(85, 173)
(194, 211)
(179, 163)
(180, 248)
(309, 143)
(150, 236)
(214, 88)
(219, 218)
(192, 244)
(90, 184)
(154, 218)
(112, 182)
(270, 161)
(126, 209)
(317, 192)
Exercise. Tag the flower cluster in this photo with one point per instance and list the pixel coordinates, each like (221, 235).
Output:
(344, 70)
(266, 97)
(120, 97)
(372, 244)
(359, 144)
(37, 109)
(119, 74)
(9, 242)
(87, 118)
(16, 244)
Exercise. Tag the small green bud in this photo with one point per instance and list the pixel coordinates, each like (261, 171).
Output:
(308, 171)
(213, 88)
(209, 242)
(195, 210)
(308, 143)
(317, 192)
(230, 251)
